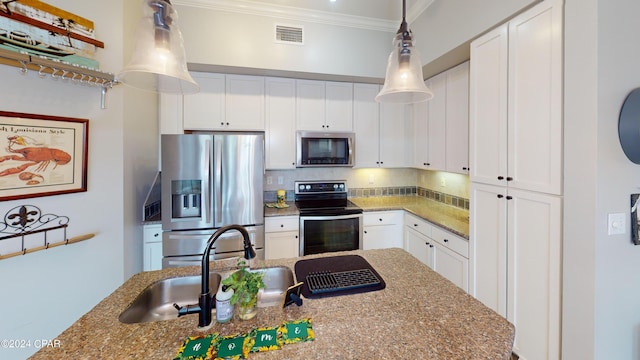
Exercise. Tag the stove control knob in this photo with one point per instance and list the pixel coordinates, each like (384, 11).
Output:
(335, 186)
(301, 187)
(308, 187)
(341, 186)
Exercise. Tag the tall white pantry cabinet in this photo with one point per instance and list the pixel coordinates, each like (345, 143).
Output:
(516, 176)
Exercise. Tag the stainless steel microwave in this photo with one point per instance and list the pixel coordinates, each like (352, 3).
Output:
(319, 148)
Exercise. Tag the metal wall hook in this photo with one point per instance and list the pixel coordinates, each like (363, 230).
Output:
(53, 74)
(23, 68)
(41, 72)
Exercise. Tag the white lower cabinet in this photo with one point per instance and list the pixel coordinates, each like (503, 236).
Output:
(382, 229)
(281, 237)
(419, 245)
(516, 247)
(152, 247)
(442, 251)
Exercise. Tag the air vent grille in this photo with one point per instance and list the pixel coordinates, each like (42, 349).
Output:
(289, 34)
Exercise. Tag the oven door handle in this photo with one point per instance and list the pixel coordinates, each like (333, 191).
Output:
(329, 217)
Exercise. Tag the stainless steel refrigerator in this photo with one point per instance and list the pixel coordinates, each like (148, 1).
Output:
(209, 180)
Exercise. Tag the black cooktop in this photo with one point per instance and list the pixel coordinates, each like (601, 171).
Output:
(324, 198)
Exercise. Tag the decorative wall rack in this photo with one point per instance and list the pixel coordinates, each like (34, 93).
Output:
(25, 229)
(60, 70)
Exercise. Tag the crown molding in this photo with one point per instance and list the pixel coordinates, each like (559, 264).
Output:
(297, 14)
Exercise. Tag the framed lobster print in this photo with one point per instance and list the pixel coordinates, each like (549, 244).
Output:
(42, 155)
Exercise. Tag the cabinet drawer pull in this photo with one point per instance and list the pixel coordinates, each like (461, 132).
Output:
(430, 245)
(509, 197)
(380, 219)
(500, 177)
(156, 235)
(281, 225)
(500, 196)
(509, 178)
(446, 240)
(416, 225)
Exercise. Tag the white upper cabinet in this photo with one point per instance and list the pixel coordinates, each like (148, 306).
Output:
(535, 101)
(324, 105)
(339, 106)
(366, 119)
(280, 118)
(383, 131)
(442, 123)
(437, 122)
(516, 109)
(205, 110)
(225, 102)
(310, 112)
(396, 138)
(457, 124)
(244, 103)
(488, 107)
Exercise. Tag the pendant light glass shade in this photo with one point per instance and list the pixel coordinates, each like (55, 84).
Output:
(403, 82)
(158, 62)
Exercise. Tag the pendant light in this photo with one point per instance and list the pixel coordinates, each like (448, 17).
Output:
(159, 62)
(403, 82)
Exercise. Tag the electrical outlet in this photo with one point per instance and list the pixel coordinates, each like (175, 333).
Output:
(617, 224)
(269, 180)
(280, 180)
(371, 178)
(443, 181)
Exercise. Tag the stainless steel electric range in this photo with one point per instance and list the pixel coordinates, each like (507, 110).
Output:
(329, 222)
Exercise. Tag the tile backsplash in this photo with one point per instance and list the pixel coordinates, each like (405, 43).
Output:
(439, 196)
(448, 188)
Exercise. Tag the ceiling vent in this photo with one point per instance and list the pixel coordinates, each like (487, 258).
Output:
(287, 34)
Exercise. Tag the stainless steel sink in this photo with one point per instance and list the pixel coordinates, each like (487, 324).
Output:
(155, 303)
(276, 280)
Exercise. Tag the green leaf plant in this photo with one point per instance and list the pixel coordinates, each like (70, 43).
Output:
(245, 285)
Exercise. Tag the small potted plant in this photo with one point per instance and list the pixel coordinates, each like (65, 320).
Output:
(245, 285)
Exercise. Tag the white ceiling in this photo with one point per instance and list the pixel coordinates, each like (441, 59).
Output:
(376, 14)
(378, 9)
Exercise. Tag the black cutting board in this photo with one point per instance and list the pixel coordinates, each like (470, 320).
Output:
(334, 264)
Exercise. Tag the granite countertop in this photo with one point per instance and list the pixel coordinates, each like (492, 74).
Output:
(446, 216)
(418, 315)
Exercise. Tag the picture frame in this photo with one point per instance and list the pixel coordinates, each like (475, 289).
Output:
(42, 155)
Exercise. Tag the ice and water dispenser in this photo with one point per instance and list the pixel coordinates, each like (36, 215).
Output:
(186, 198)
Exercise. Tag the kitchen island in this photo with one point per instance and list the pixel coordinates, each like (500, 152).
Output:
(419, 315)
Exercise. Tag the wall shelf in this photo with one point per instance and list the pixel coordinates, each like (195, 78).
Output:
(60, 70)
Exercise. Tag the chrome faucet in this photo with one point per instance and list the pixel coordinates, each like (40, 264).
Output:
(205, 302)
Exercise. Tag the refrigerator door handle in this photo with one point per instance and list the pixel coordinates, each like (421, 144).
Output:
(218, 181)
(207, 182)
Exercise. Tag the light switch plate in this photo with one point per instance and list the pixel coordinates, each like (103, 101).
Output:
(617, 224)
